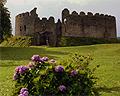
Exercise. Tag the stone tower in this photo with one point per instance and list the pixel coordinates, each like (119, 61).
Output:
(25, 23)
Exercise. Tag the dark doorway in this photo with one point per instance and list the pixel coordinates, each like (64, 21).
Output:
(42, 38)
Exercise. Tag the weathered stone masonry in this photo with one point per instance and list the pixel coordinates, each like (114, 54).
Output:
(46, 31)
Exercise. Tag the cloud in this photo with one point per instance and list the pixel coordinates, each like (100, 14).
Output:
(21, 2)
(24, 2)
(81, 2)
(15, 2)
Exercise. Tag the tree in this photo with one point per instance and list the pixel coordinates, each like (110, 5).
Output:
(5, 23)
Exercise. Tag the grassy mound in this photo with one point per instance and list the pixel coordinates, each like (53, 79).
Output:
(17, 41)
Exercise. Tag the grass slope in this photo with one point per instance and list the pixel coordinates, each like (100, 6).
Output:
(106, 55)
(17, 41)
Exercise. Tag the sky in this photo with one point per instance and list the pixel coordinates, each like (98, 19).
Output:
(47, 8)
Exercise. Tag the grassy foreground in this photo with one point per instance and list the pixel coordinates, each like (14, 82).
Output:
(106, 55)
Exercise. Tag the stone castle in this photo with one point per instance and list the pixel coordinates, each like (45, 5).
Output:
(46, 31)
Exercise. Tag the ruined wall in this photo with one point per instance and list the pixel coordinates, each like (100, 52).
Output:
(74, 25)
(88, 25)
(29, 24)
(46, 25)
(24, 23)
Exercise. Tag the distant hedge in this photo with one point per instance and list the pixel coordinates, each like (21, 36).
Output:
(78, 41)
(26, 41)
(17, 41)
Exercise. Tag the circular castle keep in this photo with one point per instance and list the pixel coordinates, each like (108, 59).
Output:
(72, 25)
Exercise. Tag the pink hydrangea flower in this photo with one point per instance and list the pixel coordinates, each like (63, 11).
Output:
(45, 58)
(15, 76)
(35, 58)
(59, 68)
(62, 88)
(24, 92)
(21, 95)
(21, 69)
(73, 72)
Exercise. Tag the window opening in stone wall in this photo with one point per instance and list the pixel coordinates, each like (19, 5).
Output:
(24, 27)
(20, 28)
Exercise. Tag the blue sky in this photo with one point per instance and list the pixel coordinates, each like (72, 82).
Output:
(48, 8)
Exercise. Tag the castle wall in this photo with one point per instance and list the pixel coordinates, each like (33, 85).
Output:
(29, 24)
(111, 27)
(88, 25)
(74, 25)
(45, 25)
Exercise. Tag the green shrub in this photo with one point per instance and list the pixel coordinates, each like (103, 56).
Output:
(43, 77)
(17, 41)
(78, 41)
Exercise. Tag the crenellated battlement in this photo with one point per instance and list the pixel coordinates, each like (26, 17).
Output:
(66, 13)
(23, 15)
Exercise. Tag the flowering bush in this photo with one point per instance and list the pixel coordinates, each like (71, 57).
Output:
(44, 77)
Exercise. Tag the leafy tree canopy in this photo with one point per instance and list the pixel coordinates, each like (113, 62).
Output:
(5, 23)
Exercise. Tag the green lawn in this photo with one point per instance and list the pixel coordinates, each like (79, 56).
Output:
(106, 55)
